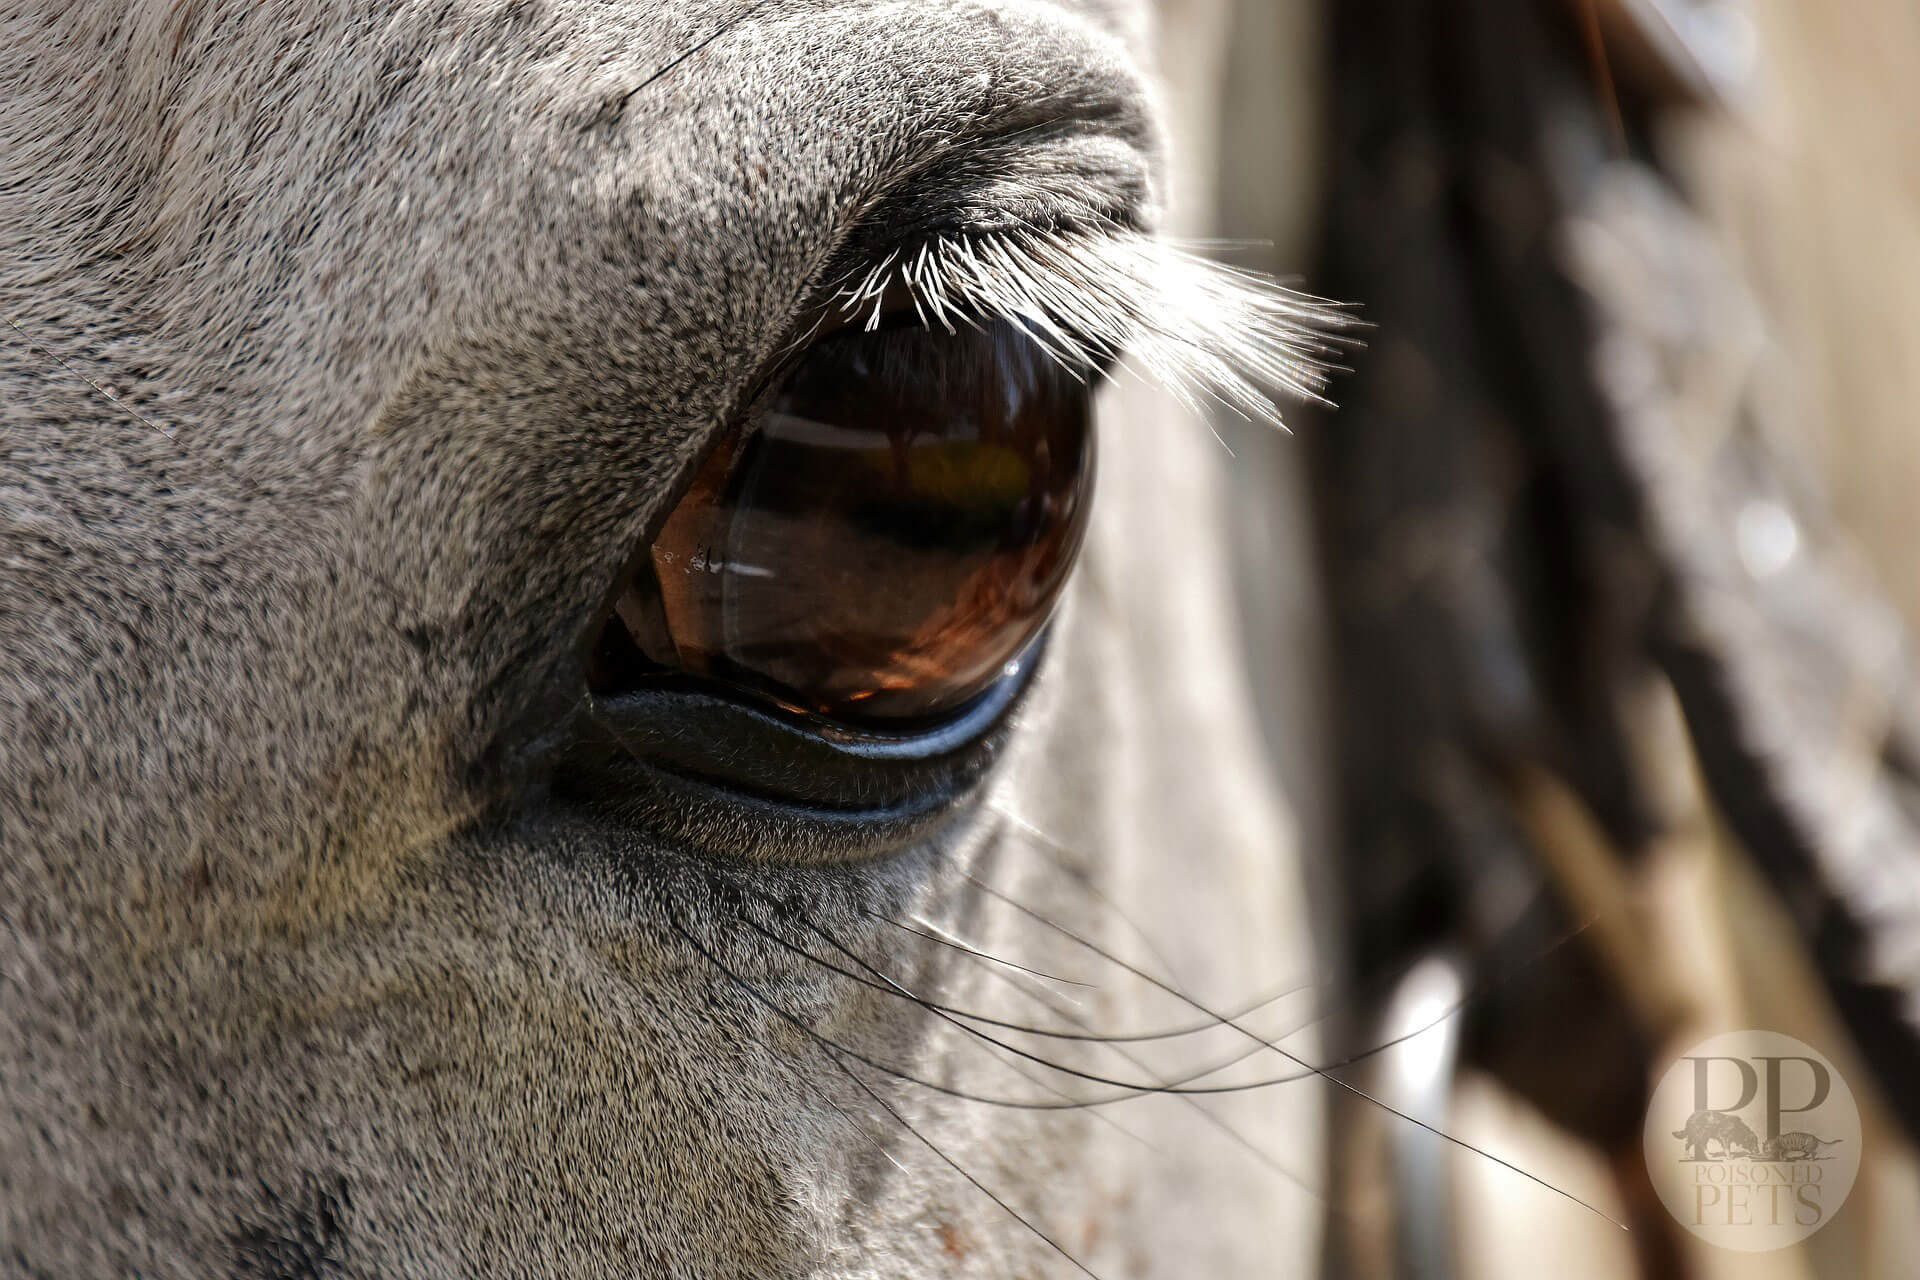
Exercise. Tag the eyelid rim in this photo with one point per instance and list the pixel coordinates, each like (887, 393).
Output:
(699, 734)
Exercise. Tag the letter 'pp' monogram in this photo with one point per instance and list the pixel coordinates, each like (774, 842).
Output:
(1772, 1072)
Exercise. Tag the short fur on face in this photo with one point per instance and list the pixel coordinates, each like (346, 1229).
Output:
(350, 350)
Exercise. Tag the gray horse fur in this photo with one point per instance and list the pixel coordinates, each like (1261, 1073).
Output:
(348, 350)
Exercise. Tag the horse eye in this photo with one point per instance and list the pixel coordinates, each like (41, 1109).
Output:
(881, 540)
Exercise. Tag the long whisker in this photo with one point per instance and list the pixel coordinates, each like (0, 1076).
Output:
(954, 1165)
(886, 983)
(111, 398)
(1023, 1104)
(1184, 1085)
(1135, 1037)
(671, 64)
(860, 1129)
(1259, 1153)
(1322, 1072)
(835, 1057)
(933, 933)
(1057, 854)
(790, 1019)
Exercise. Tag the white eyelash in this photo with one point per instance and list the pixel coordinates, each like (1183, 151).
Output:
(1205, 331)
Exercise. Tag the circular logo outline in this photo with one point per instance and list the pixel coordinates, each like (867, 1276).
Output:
(1752, 1140)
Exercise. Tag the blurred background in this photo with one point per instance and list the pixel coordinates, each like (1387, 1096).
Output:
(1582, 626)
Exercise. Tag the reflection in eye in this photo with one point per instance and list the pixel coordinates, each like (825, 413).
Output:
(890, 531)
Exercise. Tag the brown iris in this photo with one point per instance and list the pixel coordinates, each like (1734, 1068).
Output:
(882, 539)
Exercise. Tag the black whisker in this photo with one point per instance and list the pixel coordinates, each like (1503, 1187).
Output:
(691, 50)
(1057, 854)
(1135, 1037)
(1260, 1154)
(954, 1165)
(1132, 1090)
(887, 984)
(1322, 1072)
(836, 1053)
(1183, 1086)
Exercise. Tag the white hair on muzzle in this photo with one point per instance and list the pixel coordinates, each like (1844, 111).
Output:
(1206, 331)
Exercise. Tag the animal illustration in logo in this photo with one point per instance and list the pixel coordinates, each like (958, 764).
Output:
(1730, 1131)
(1794, 1145)
(1759, 1165)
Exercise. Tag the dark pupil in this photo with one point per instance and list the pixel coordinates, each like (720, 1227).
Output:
(885, 537)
